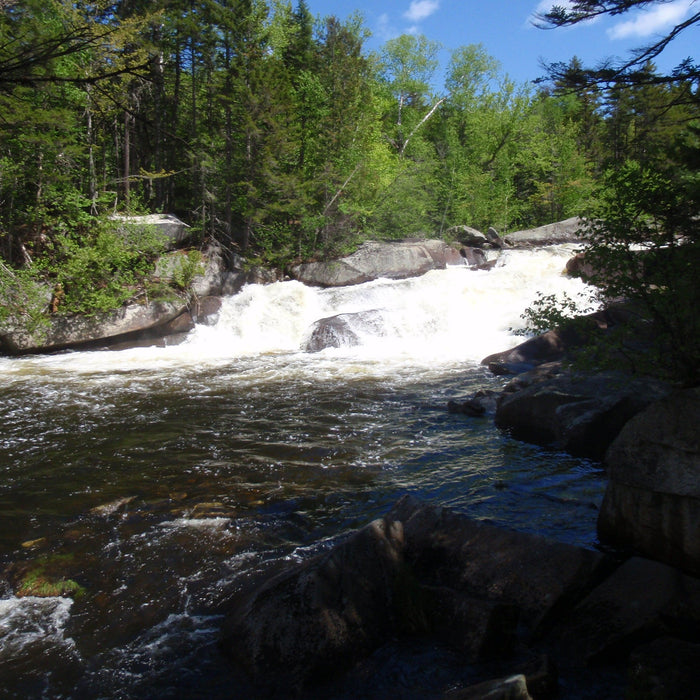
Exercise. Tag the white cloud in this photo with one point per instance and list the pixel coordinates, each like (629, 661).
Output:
(652, 21)
(420, 9)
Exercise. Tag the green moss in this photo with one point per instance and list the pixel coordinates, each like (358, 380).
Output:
(45, 578)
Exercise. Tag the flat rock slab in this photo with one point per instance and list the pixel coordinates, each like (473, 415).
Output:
(374, 260)
(75, 331)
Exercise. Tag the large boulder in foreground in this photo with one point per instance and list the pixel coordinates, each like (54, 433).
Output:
(309, 621)
(579, 413)
(652, 502)
(373, 260)
(421, 570)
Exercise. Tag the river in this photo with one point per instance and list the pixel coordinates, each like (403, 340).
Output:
(155, 478)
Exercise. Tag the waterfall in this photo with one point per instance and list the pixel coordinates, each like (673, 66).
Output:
(445, 316)
(442, 316)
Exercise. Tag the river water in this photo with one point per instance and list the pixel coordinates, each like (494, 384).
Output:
(156, 478)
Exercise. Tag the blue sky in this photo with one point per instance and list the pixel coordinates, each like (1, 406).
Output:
(504, 28)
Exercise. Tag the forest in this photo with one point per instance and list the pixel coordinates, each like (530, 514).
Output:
(279, 136)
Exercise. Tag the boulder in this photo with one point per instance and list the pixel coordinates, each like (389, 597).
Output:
(344, 330)
(314, 619)
(641, 601)
(560, 343)
(467, 236)
(537, 575)
(494, 239)
(652, 502)
(169, 227)
(560, 232)
(579, 413)
(422, 570)
(156, 319)
(395, 260)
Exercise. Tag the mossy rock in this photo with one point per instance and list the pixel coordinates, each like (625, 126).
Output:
(45, 577)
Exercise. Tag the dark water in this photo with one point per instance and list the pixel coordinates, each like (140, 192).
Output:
(156, 489)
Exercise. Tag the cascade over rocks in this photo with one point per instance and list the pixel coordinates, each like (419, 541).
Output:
(373, 260)
(496, 596)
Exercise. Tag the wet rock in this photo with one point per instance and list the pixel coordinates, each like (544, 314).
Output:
(652, 502)
(579, 413)
(205, 310)
(474, 257)
(479, 404)
(395, 260)
(511, 688)
(107, 509)
(344, 330)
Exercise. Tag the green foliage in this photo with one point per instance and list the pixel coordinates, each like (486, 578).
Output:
(188, 266)
(550, 311)
(24, 300)
(45, 578)
(101, 270)
(645, 247)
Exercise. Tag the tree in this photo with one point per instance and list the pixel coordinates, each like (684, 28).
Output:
(631, 71)
(643, 234)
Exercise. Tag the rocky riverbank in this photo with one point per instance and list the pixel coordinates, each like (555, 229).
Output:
(530, 617)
